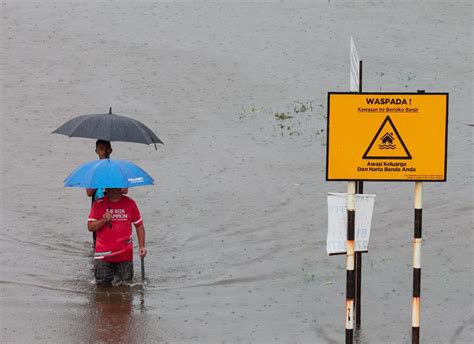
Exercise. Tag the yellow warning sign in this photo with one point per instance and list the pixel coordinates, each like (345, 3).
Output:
(389, 136)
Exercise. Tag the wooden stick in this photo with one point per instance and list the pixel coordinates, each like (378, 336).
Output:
(142, 259)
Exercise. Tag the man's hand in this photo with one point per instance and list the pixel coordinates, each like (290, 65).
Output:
(142, 252)
(107, 216)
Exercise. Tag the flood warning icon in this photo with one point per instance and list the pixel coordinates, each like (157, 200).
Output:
(387, 143)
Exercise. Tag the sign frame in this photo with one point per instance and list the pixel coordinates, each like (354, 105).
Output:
(418, 94)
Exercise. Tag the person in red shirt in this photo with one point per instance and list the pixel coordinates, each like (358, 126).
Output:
(114, 247)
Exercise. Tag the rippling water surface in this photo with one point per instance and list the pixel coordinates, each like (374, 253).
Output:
(236, 223)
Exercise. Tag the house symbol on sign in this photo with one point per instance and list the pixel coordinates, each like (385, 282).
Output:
(387, 141)
(387, 138)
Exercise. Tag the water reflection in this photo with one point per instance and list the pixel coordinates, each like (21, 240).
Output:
(116, 314)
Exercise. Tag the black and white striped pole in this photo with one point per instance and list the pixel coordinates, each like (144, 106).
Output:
(417, 265)
(350, 273)
(358, 273)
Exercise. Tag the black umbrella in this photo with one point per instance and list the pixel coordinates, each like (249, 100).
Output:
(109, 127)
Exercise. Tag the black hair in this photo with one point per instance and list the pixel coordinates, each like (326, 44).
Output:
(107, 144)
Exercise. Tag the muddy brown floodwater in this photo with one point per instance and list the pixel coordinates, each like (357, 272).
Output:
(236, 223)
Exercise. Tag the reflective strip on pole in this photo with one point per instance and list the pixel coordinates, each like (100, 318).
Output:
(417, 253)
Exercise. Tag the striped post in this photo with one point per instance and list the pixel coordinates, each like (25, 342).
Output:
(358, 272)
(350, 274)
(358, 255)
(415, 337)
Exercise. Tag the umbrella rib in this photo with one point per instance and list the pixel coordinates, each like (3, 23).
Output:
(150, 133)
(121, 170)
(146, 135)
(79, 119)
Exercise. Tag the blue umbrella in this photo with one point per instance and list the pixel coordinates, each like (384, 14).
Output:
(108, 173)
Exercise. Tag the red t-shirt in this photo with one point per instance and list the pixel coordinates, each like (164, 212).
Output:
(119, 237)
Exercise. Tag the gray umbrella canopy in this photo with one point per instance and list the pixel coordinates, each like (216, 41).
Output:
(109, 127)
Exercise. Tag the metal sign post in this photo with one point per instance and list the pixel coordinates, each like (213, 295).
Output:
(356, 86)
(415, 332)
(350, 275)
(358, 272)
(358, 255)
(415, 322)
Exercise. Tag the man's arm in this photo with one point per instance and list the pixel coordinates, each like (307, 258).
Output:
(141, 240)
(95, 225)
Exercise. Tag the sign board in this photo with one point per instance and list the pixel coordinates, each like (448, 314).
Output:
(355, 71)
(337, 222)
(387, 136)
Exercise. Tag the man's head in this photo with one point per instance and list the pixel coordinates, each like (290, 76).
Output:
(103, 149)
(114, 193)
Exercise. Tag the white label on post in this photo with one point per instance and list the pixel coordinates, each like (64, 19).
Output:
(337, 222)
(355, 72)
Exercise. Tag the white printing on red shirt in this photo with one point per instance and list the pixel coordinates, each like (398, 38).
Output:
(119, 237)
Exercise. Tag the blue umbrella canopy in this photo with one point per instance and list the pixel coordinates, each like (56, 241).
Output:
(108, 173)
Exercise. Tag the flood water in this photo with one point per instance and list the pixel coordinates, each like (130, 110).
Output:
(236, 223)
